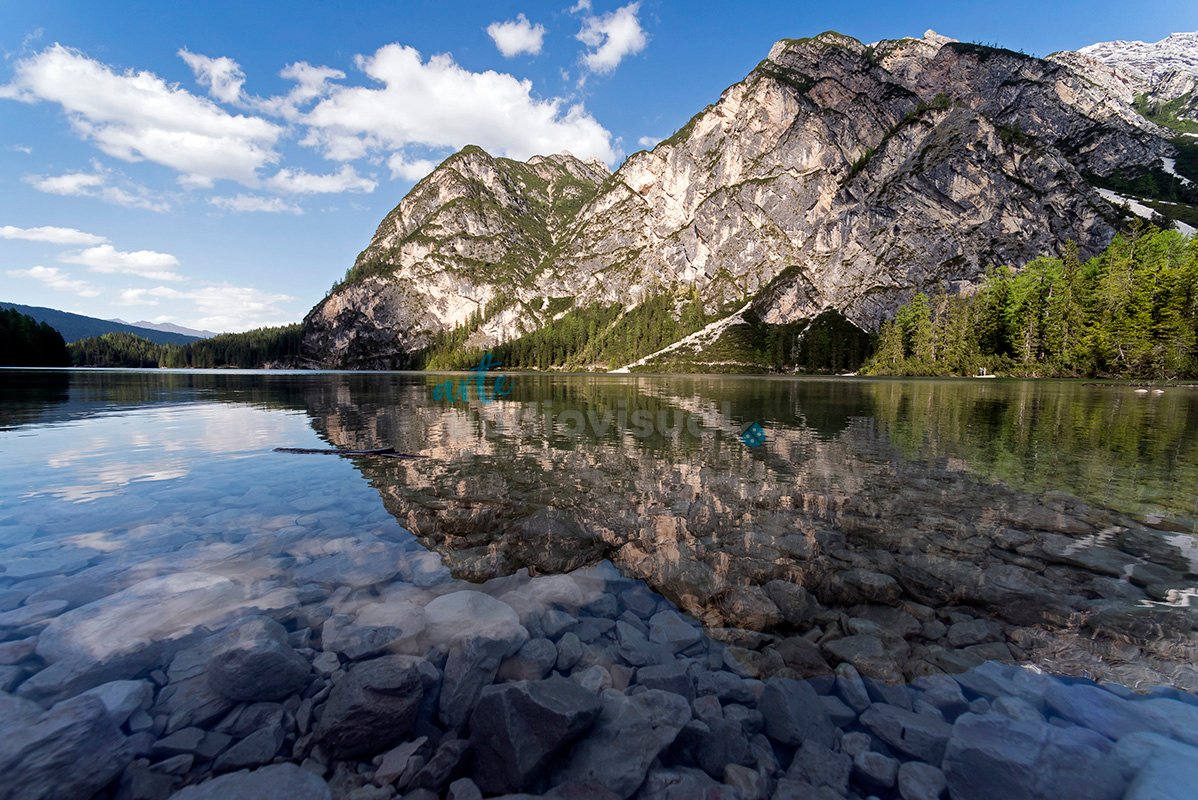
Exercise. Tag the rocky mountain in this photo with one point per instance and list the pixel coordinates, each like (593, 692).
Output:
(1163, 66)
(837, 176)
(1162, 75)
(464, 246)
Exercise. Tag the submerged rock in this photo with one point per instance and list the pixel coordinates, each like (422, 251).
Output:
(531, 663)
(253, 661)
(794, 714)
(470, 614)
(673, 630)
(627, 737)
(517, 728)
(122, 698)
(134, 629)
(276, 782)
(253, 751)
(73, 750)
(917, 736)
(372, 707)
(992, 756)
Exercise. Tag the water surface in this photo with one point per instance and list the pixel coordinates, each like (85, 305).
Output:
(1065, 512)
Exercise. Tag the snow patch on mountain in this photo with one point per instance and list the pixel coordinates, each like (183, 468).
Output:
(1150, 61)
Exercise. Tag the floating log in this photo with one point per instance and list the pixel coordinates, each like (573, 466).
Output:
(382, 452)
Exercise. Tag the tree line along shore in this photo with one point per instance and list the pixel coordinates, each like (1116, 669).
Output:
(1130, 312)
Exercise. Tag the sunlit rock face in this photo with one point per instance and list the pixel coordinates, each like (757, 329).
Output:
(835, 175)
(914, 566)
(1162, 71)
(471, 236)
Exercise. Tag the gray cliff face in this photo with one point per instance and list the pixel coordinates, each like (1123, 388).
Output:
(835, 175)
(469, 239)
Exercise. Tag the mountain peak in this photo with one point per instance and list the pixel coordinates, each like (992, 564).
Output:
(835, 175)
(821, 40)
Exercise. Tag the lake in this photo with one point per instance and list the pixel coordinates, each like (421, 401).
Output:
(929, 563)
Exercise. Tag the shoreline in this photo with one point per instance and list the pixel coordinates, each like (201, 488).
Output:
(1181, 383)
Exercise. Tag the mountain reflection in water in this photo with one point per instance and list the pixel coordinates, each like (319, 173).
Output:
(954, 521)
(1058, 517)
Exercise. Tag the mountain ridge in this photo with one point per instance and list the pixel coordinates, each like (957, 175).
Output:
(74, 327)
(167, 327)
(836, 176)
(1162, 76)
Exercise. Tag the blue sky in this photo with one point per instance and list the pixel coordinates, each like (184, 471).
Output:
(220, 165)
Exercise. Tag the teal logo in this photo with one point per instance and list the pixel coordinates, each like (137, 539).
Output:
(753, 434)
(451, 391)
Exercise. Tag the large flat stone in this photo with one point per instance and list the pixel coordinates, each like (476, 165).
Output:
(992, 757)
(1114, 717)
(124, 633)
(276, 782)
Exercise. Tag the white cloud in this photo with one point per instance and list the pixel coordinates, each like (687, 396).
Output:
(97, 184)
(438, 104)
(611, 37)
(143, 263)
(222, 77)
(48, 233)
(56, 279)
(137, 199)
(21, 148)
(253, 202)
(401, 167)
(137, 116)
(648, 141)
(517, 36)
(69, 184)
(581, 5)
(223, 308)
(225, 81)
(311, 83)
(345, 179)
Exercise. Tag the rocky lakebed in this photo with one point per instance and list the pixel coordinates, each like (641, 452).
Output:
(373, 674)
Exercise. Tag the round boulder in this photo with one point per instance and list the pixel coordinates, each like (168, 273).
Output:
(252, 661)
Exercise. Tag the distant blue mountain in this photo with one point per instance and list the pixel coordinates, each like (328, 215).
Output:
(74, 327)
(167, 327)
